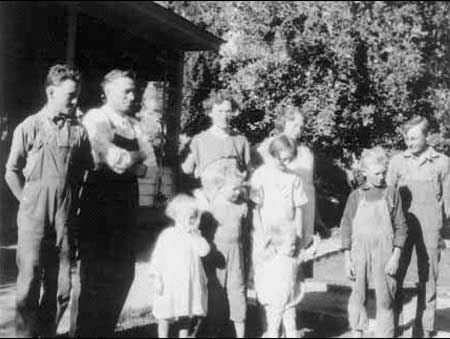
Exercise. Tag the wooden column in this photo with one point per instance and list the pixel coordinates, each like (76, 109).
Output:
(71, 34)
(173, 121)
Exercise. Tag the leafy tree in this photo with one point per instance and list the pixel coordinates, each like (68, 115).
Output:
(357, 69)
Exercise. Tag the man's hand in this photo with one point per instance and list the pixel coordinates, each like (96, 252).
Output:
(349, 266)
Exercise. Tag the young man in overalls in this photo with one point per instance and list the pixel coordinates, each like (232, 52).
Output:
(49, 153)
(422, 177)
(107, 237)
(373, 233)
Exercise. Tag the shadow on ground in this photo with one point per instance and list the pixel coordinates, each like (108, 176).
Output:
(313, 326)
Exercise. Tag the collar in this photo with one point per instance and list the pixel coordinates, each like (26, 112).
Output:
(367, 187)
(44, 112)
(116, 118)
(428, 155)
(48, 116)
(218, 132)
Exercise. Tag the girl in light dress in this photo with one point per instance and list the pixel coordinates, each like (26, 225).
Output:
(291, 124)
(279, 196)
(179, 280)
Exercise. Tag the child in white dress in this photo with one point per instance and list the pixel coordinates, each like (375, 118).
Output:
(279, 285)
(180, 283)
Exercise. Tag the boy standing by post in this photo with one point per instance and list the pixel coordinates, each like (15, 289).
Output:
(373, 234)
(422, 176)
(49, 153)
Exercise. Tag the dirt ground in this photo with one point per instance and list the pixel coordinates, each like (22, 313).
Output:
(322, 314)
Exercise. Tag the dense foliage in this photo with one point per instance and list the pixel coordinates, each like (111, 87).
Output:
(358, 69)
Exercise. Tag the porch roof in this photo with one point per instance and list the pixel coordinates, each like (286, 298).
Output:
(152, 22)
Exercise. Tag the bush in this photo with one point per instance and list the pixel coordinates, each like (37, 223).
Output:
(357, 69)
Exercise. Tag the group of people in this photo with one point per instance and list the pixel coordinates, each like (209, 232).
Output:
(250, 221)
(55, 160)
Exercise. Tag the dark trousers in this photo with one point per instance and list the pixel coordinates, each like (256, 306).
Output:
(107, 257)
(41, 264)
(428, 270)
(104, 289)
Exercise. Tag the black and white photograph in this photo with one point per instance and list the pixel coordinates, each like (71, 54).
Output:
(224, 169)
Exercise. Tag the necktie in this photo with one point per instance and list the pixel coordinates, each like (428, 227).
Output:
(63, 121)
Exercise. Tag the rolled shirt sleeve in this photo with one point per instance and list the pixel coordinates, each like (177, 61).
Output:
(17, 157)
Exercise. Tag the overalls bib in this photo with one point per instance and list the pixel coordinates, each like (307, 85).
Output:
(107, 246)
(43, 244)
(371, 249)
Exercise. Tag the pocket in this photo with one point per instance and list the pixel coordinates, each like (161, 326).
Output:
(32, 170)
(30, 204)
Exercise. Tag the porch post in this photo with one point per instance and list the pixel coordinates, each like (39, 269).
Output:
(71, 34)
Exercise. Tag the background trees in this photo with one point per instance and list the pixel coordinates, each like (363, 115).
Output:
(358, 69)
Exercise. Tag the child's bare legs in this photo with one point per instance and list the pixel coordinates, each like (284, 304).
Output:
(163, 329)
(239, 327)
(357, 334)
(289, 323)
(183, 325)
(183, 333)
(273, 320)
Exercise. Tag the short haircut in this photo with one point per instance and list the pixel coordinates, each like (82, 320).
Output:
(416, 120)
(59, 73)
(179, 202)
(373, 156)
(289, 114)
(281, 143)
(218, 97)
(116, 74)
(220, 173)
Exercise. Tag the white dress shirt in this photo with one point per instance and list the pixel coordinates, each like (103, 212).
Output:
(102, 124)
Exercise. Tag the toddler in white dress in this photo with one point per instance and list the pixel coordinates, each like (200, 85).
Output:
(179, 280)
(279, 285)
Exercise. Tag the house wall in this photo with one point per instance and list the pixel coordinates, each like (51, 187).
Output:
(34, 37)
